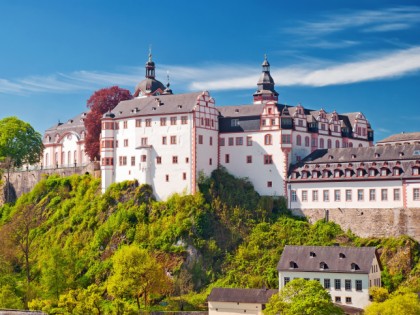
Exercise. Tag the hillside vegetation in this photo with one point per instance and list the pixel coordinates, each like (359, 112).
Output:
(65, 248)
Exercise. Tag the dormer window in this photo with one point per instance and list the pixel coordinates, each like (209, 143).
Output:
(384, 172)
(415, 171)
(341, 256)
(315, 174)
(312, 254)
(323, 265)
(348, 173)
(396, 171)
(337, 173)
(293, 265)
(235, 122)
(360, 173)
(372, 172)
(354, 267)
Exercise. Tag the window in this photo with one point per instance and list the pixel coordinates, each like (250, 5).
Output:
(314, 195)
(372, 194)
(184, 176)
(143, 141)
(338, 299)
(174, 159)
(321, 143)
(396, 194)
(348, 300)
(416, 194)
(269, 184)
(337, 196)
(304, 195)
(314, 142)
(126, 142)
(158, 160)
(326, 195)
(286, 280)
(125, 124)
(163, 121)
(116, 145)
(227, 158)
(200, 139)
(184, 120)
(384, 194)
(210, 161)
(234, 122)
(360, 195)
(268, 140)
(293, 197)
(164, 142)
(300, 122)
(222, 142)
(347, 284)
(167, 177)
(239, 141)
(207, 121)
(123, 160)
(230, 141)
(348, 194)
(298, 140)
(415, 171)
(133, 160)
(337, 144)
(249, 159)
(327, 283)
(187, 160)
(173, 139)
(143, 158)
(285, 138)
(148, 122)
(211, 140)
(249, 141)
(358, 285)
(268, 159)
(306, 141)
(138, 122)
(337, 284)
(329, 144)
(173, 120)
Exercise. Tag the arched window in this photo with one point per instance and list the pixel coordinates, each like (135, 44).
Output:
(268, 139)
(329, 144)
(306, 141)
(323, 265)
(46, 159)
(360, 145)
(75, 156)
(293, 265)
(298, 140)
(56, 158)
(337, 143)
(63, 157)
(354, 266)
(69, 157)
(321, 143)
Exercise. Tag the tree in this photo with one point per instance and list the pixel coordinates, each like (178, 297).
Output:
(302, 297)
(99, 103)
(19, 144)
(400, 302)
(137, 274)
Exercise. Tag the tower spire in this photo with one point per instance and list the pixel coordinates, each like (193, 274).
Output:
(265, 86)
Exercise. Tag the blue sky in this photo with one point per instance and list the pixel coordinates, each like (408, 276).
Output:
(337, 55)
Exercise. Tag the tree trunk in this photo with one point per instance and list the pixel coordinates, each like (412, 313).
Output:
(138, 302)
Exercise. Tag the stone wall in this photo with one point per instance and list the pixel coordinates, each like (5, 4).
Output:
(23, 181)
(371, 222)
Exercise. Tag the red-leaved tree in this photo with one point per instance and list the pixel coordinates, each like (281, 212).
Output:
(99, 103)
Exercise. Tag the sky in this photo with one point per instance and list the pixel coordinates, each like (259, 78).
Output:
(347, 55)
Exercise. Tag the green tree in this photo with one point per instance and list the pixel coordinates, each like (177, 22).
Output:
(400, 302)
(55, 273)
(302, 297)
(137, 274)
(19, 144)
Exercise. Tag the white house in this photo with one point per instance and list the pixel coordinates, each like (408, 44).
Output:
(346, 272)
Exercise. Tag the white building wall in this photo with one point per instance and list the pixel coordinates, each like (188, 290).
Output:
(229, 308)
(359, 299)
(412, 201)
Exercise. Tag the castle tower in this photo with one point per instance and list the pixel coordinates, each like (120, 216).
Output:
(107, 150)
(265, 91)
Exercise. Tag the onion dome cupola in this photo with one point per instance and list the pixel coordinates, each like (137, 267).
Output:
(149, 86)
(265, 91)
(168, 89)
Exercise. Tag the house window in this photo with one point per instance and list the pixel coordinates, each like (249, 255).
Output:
(286, 280)
(300, 122)
(304, 195)
(173, 139)
(138, 122)
(167, 177)
(294, 196)
(306, 141)
(143, 158)
(227, 158)
(207, 121)
(158, 160)
(173, 120)
(126, 142)
(184, 120)
(372, 194)
(239, 141)
(337, 144)
(338, 299)
(230, 141)
(187, 160)
(211, 140)
(415, 171)
(234, 122)
(123, 160)
(116, 145)
(396, 194)
(133, 160)
(210, 161)
(396, 171)
(174, 159)
(298, 140)
(163, 121)
(321, 143)
(329, 144)
(384, 194)
(200, 139)
(337, 195)
(315, 174)
(164, 142)
(314, 142)
(360, 195)
(337, 284)
(285, 138)
(125, 124)
(358, 285)
(184, 176)
(314, 195)
(348, 194)
(268, 140)
(148, 122)
(268, 159)
(249, 141)
(143, 141)
(384, 172)
(416, 194)
(249, 159)
(348, 300)
(372, 172)
(347, 284)
(327, 284)
(326, 194)
(269, 184)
